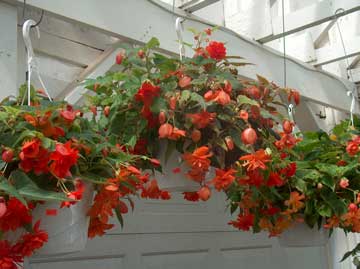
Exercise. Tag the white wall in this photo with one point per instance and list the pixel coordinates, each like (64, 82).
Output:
(8, 50)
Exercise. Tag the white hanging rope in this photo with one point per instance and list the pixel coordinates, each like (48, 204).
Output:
(179, 29)
(31, 60)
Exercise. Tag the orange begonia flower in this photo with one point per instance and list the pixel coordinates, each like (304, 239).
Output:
(199, 158)
(256, 160)
(295, 202)
(202, 119)
(223, 179)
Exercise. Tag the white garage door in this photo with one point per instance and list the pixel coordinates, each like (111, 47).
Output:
(177, 234)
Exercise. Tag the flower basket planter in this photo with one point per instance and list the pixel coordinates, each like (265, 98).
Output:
(68, 230)
(301, 235)
(175, 180)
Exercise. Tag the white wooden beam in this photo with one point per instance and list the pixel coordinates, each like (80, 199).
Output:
(335, 52)
(76, 33)
(354, 62)
(199, 5)
(8, 50)
(128, 23)
(355, 74)
(310, 16)
(74, 91)
(323, 34)
(64, 49)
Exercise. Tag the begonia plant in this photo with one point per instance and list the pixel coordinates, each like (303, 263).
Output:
(50, 152)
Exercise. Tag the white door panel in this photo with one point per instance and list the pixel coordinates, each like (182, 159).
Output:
(177, 234)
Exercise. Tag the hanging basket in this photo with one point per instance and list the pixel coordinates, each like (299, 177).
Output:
(68, 230)
(177, 181)
(301, 235)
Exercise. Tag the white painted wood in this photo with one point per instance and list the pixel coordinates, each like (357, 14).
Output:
(8, 50)
(329, 90)
(176, 235)
(213, 13)
(74, 91)
(310, 15)
(77, 33)
(64, 49)
(355, 74)
(240, 17)
(321, 34)
(335, 52)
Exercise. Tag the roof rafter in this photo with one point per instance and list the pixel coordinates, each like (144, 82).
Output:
(311, 16)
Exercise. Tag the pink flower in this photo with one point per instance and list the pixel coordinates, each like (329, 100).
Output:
(344, 183)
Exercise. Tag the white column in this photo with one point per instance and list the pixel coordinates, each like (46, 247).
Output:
(8, 50)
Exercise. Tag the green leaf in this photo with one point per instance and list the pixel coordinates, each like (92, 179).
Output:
(158, 105)
(119, 216)
(311, 174)
(351, 253)
(262, 80)
(4, 116)
(193, 30)
(331, 198)
(243, 99)
(198, 98)
(12, 110)
(152, 43)
(24, 134)
(299, 184)
(116, 123)
(10, 190)
(47, 143)
(330, 169)
(323, 209)
(266, 114)
(346, 255)
(93, 178)
(233, 207)
(356, 262)
(165, 64)
(185, 96)
(200, 80)
(328, 181)
(132, 141)
(27, 188)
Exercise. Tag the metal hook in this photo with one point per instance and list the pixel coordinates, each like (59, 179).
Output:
(26, 35)
(291, 112)
(31, 61)
(179, 29)
(23, 16)
(352, 106)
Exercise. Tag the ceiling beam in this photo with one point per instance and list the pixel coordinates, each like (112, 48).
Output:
(64, 49)
(310, 16)
(335, 52)
(323, 35)
(197, 5)
(114, 19)
(355, 75)
(103, 63)
(80, 34)
(355, 62)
